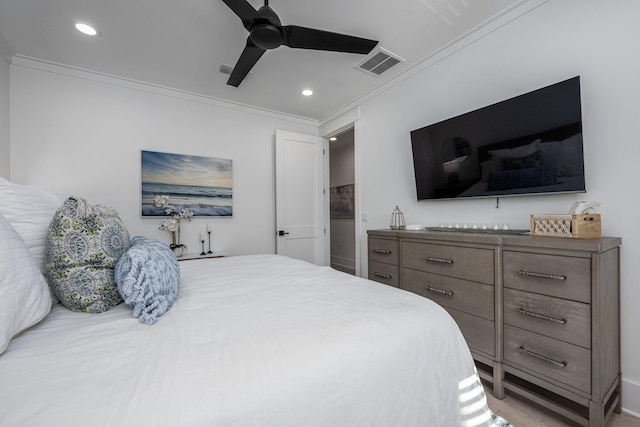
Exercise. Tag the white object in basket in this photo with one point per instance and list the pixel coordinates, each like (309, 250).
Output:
(584, 207)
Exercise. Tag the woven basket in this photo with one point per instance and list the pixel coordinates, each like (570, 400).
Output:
(587, 226)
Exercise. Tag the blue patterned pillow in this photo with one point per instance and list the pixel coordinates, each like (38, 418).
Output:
(148, 276)
(83, 245)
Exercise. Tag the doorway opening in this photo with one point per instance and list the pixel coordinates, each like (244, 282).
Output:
(342, 206)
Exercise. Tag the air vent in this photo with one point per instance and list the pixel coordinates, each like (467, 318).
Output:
(378, 61)
(226, 69)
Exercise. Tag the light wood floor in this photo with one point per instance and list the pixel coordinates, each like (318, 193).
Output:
(522, 413)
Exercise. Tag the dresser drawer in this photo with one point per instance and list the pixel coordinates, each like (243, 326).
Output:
(558, 276)
(479, 333)
(388, 274)
(554, 317)
(548, 357)
(470, 297)
(461, 262)
(384, 250)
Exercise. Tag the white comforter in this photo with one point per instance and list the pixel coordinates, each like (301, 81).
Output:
(251, 341)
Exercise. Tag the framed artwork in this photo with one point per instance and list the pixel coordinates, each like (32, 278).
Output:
(204, 185)
(341, 202)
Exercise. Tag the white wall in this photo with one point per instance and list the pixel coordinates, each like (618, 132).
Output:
(82, 134)
(559, 40)
(5, 170)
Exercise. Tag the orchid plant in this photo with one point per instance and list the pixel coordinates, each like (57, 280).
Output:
(172, 223)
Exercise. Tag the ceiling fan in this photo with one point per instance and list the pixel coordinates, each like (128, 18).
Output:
(266, 32)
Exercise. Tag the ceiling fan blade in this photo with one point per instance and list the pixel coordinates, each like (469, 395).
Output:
(310, 38)
(247, 13)
(250, 55)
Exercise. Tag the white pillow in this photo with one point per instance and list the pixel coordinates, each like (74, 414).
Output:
(24, 294)
(516, 152)
(565, 155)
(29, 209)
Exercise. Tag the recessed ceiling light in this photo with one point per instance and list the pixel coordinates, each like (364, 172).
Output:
(86, 29)
(307, 92)
(333, 138)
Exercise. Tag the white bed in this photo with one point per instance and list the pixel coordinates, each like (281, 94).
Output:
(258, 340)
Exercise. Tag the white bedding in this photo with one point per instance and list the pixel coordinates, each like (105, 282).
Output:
(251, 341)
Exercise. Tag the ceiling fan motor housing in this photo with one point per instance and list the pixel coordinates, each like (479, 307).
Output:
(266, 36)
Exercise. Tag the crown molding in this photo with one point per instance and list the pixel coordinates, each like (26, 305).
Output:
(55, 68)
(517, 10)
(5, 50)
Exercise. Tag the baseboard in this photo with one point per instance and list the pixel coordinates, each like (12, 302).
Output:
(344, 269)
(343, 264)
(346, 262)
(631, 397)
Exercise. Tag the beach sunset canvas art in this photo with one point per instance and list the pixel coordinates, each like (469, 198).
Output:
(204, 185)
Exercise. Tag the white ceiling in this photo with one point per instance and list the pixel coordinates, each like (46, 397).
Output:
(182, 44)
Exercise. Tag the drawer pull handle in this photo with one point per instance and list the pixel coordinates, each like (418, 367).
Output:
(384, 276)
(541, 275)
(542, 316)
(543, 358)
(440, 260)
(382, 251)
(439, 291)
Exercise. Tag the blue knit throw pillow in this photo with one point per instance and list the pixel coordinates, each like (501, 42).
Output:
(148, 276)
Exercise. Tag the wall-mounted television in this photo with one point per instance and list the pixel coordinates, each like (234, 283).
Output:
(529, 144)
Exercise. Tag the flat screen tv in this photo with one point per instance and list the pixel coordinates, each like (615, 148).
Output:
(530, 144)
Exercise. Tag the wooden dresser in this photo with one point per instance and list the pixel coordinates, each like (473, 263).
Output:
(540, 315)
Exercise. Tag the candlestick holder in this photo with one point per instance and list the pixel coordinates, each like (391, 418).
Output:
(202, 241)
(209, 232)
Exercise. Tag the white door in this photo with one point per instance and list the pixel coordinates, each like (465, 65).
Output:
(300, 197)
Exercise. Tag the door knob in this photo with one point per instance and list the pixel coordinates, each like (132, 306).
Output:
(282, 232)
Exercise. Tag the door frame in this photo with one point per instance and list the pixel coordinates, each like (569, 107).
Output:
(337, 125)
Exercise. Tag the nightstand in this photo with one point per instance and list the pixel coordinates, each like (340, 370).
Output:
(191, 256)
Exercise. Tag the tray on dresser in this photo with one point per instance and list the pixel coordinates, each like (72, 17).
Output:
(478, 230)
